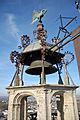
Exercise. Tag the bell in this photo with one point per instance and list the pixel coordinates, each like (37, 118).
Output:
(36, 68)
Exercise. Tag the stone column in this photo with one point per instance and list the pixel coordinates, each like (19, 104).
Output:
(68, 106)
(23, 111)
(25, 108)
(49, 104)
(42, 105)
(75, 105)
(10, 106)
(10, 111)
(16, 115)
(60, 113)
(66, 78)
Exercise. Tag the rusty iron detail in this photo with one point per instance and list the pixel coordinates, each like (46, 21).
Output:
(40, 33)
(25, 41)
(43, 58)
(62, 27)
(68, 58)
(15, 58)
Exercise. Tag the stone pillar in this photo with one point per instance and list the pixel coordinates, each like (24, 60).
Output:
(66, 78)
(60, 113)
(42, 105)
(16, 115)
(13, 109)
(23, 109)
(69, 106)
(75, 105)
(10, 109)
(49, 104)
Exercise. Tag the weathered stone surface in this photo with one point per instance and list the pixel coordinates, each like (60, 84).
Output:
(66, 109)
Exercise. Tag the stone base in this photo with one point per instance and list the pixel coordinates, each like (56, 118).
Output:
(66, 106)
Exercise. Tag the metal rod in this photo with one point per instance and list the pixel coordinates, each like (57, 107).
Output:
(73, 38)
(60, 41)
(68, 17)
(43, 78)
(58, 32)
(43, 81)
(70, 21)
(63, 27)
(22, 74)
(13, 78)
(61, 21)
(59, 73)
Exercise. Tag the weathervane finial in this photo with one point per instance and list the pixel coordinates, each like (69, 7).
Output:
(37, 15)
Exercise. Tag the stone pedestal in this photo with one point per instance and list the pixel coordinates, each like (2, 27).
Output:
(66, 105)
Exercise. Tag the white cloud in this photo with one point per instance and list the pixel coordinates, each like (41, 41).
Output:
(12, 26)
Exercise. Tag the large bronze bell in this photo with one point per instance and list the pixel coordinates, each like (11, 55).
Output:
(36, 68)
(39, 57)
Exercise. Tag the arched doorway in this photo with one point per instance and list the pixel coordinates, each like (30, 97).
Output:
(53, 108)
(28, 108)
(57, 109)
(25, 107)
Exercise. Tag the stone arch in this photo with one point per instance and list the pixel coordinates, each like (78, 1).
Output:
(57, 92)
(56, 98)
(20, 95)
(17, 102)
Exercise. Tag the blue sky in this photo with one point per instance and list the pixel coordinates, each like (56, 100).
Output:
(15, 20)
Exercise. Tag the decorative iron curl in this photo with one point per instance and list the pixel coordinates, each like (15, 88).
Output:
(68, 58)
(15, 58)
(40, 34)
(25, 41)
